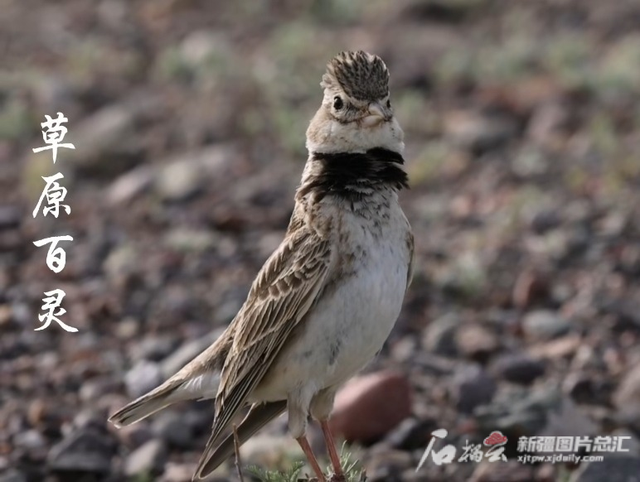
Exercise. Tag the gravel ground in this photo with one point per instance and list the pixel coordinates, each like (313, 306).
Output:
(522, 130)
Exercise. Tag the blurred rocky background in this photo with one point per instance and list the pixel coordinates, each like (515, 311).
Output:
(523, 140)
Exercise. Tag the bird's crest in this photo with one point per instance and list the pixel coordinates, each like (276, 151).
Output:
(360, 75)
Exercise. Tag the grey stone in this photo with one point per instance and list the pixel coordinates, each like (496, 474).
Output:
(517, 409)
(183, 473)
(106, 141)
(149, 458)
(544, 325)
(518, 368)
(182, 177)
(172, 428)
(190, 240)
(85, 450)
(153, 348)
(476, 342)
(266, 450)
(410, 434)
(142, 377)
(614, 467)
(179, 181)
(472, 387)
(97, 387)
(129, 185)
(29, 439)
(478, 131)
(13, 476)
(627, 397)
(439, 337)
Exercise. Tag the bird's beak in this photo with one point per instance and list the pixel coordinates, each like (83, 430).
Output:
(376, 114)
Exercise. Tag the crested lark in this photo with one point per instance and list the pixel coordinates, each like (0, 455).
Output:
(325, 301)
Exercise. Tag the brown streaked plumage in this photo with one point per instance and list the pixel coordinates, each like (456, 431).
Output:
(359, 75)
(326, 299)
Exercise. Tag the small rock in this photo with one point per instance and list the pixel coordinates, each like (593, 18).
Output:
(199, 416)
(627, 397)
(518, 368)
(120, 264)
(185, 176)
(91, 418)
(510, 471)
(13, 476)
(477, 131)
(171, 427)
(179, 181)
(85, 450)
(178, 473)
(410, 434)
(147, 459)
(614, 467)
(153, 348)
(565, 419)
(476, 342)
(129, 185)
(142, 377)
(107, 140)
(128, 328)
(201, 46)
(190, 240)
(472, 387)
(517, 409)
(544, 325)
(556, 349)
(528, 287)
(543, 221)
(134, 436)
(439, 336)
(266, 450)
(387, 465)
(10, 217)
(368, 407)
(29, 439)
(96, 388)
(586, 389)
(403, 350)
(547, 119)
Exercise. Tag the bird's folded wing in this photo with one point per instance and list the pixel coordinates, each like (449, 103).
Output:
(286, 287)
(259, 415)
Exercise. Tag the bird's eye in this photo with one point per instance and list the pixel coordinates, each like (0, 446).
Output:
(388, 104)
(337, 103)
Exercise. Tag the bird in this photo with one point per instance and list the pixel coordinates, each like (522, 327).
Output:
(326, 300)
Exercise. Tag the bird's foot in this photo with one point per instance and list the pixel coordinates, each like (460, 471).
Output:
(338, 478)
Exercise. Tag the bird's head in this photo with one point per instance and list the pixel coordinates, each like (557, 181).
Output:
(356, 113)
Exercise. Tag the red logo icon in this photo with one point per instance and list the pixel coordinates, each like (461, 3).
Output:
(495, 438)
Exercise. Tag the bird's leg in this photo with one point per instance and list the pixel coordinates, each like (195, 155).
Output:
(333, 453)
(306, 448)
(236, 445)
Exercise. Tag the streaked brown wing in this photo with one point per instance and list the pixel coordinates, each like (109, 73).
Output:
(285, 289)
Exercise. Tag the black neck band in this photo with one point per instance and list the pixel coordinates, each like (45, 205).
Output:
(353, 175)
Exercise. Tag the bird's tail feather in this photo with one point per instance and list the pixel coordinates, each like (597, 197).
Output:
(258, 417)
(148, 404)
